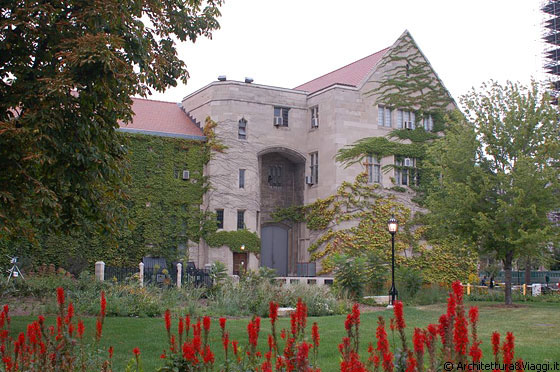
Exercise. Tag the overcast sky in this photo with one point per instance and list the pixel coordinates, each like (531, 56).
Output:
(286, 43)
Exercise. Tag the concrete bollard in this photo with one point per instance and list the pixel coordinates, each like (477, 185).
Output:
(468, 289)
(141, 267)
(100, 270)
(179, 274)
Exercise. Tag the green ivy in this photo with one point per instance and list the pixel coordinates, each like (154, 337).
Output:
(234, 240)
(162, 210)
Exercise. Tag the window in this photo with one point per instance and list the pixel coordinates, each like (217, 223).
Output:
(406, 119)
(220, 218)
(405, 171)
(384, 116)
(373, 169)
(314, 167)
(315, 117)
(275, 175)
(242, 178)
(240, 219)
(281, 116)
(242, 129)
(428, 123)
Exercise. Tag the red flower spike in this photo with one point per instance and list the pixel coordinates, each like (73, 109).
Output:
(136, 351)
(60, 296)
(167, 318)
(495, 343)
(110, 352)
(418, 339)
(315, 335)
(473, 314)
(458, 290)
(206, 323)
(180, 327)
(98, 329)
(103, 304)
(223, 323)
(273, 311)
(399, 318)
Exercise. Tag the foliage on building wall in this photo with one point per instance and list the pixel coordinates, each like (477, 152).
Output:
(408, 83)
(352, 221)
(162, 209)
(446, 261)
(234, 240)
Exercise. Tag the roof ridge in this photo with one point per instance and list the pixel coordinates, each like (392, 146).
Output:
(154, 100)
(345, 66)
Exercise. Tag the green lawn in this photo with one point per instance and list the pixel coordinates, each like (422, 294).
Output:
(536, 328)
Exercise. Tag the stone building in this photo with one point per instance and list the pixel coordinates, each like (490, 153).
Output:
(281, 149)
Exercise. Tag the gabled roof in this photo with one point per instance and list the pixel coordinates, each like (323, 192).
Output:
(350, 75)
(161, 118)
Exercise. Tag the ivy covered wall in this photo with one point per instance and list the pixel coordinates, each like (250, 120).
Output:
(162, 211)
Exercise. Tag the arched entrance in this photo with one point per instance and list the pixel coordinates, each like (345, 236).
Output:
(282, 182)
(274, 248)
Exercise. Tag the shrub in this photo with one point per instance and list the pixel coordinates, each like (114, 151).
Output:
(408, 281)
(349, 277)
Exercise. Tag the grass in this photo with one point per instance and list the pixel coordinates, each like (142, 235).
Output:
(536, 327)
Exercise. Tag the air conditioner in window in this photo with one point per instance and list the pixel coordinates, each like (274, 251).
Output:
(186, 175)
(408, 125)
(314, 122)
(278, 121)
(309, 180)
(407, 162)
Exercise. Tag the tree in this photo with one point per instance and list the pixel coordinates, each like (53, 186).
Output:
(498, 173)
(68, 69)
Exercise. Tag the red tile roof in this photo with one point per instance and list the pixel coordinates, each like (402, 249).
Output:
(163, 118)
(351, 75)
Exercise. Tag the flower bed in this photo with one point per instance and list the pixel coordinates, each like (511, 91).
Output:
(453, 340)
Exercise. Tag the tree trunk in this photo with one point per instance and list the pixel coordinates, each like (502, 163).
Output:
(528, 271)
(507, 271)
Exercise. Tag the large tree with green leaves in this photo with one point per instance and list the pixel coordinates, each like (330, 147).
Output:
(67, 71)
(498, 173)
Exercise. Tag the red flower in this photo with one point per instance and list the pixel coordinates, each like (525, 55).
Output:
(443, 326)
(110, 352)
(458, 290)
(460, 333)
(208, 355)
(451, 306)
(59, 297)
(167, 318)
(41, 319)
(225, 341)
(398, 309)
(475, 352)
(495, 343)
(356, 313)
(315, 335)
(473, 314)
(273, 311)
(180, 327)
(136, 351)
(302, 355)
(206, 323)
(163, 356)
(253, 332)
(418, 339)
(103, 304)
(99, 329)
(81, 328)
(69, 314)
(410, 363)
(223, 323)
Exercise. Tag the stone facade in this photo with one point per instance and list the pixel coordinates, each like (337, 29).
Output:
(277, 158)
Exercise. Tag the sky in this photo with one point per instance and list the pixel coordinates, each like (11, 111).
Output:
(289, 42)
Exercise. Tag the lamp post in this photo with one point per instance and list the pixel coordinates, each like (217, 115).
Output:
(392, 226)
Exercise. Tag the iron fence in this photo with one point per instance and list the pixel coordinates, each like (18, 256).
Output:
(120, 274)
(518, 277)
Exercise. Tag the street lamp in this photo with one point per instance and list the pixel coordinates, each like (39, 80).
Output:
(392, 226)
